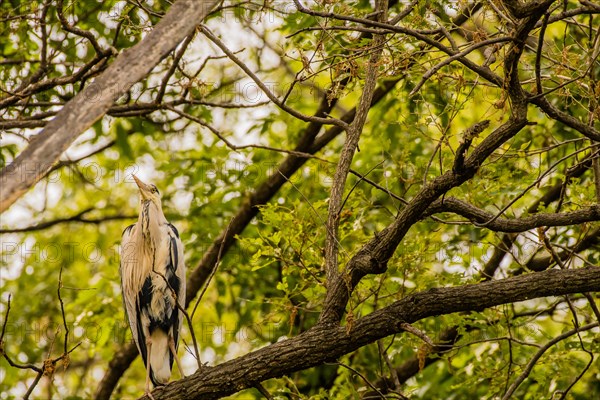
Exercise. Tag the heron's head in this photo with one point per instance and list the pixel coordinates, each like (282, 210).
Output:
(148, 192)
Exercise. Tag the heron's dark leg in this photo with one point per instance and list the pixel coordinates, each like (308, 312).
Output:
(149, 348)
(174, 352)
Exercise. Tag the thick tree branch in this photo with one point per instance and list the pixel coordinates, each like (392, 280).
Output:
(95, 100)
(326, 342)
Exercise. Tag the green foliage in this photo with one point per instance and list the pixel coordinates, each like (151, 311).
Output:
(271, 284)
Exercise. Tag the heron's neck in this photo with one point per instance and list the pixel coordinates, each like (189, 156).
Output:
(151, 218)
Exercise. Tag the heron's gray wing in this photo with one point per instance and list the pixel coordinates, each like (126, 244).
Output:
(127, 264)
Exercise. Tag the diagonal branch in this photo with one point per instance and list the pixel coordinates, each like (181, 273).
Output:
(529, 367)
(567, 119)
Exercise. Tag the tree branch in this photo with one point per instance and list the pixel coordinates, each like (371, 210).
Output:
(540, 353)
(79, 217)
(550, 196)
(346, 156)
(480, 216)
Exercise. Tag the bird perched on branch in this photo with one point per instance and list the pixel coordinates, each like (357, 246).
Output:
(153, 284)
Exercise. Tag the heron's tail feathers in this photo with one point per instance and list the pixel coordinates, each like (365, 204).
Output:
(160, 363)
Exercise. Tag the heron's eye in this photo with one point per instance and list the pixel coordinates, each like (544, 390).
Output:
(155, 190)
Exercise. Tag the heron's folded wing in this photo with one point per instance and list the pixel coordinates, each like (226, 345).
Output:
(129, 299)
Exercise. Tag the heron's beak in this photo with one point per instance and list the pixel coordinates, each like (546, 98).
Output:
(144, 189)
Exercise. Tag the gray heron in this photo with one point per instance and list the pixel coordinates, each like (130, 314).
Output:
(153, 282)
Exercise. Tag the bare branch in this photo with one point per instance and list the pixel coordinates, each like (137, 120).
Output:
(79, 217)
(62, 310)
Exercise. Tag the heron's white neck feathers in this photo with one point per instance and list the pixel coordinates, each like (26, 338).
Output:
(150, 220)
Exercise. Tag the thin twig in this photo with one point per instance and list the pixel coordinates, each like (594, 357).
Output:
(323, 222)
(33, 385)
(75, 218)
(263, 391)
(234, 147)
(4, 323)
(62, 309)
(529, 367)
(341, 364)
(215, 267)
(307, 118)
(537, 181)
(176, 59)
(192, 333)
(388, 363)
(593, 305)
(455, 57)
(418, 333)
(538, 55)
(584, 370)
(357, 182)
(404, 13)
(187, 317)
(3, 349)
